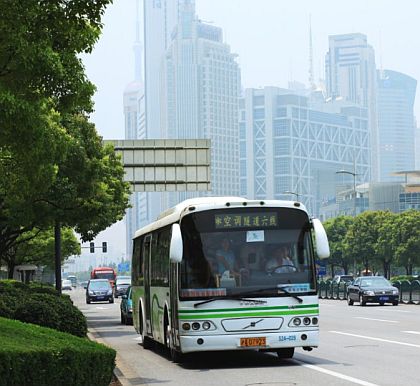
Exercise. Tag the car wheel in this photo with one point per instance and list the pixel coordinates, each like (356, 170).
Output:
(395, 303)
(349, 301)
(111, 300)
(122, 318)
(87, 301)
(361, 301)
(285, 353)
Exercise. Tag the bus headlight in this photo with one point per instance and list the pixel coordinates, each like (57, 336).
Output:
(296, 321)
(206, 325)
(306, 321)
(186, 326)
(196, 326)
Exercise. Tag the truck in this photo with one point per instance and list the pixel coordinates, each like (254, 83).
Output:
(104, 273)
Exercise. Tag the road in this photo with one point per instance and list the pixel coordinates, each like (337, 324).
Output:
(368, 346)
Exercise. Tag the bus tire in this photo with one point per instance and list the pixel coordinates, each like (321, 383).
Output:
(285, 353)
(176, 356)
(147, 342)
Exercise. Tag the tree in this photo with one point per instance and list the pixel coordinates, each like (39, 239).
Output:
(337, 229)
(406, 237)
(38, 248)
(54, 167)
(360, 242)
(385, 244)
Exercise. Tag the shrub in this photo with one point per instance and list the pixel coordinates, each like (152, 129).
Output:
(52, 311)
(42, 305)
(34, 355)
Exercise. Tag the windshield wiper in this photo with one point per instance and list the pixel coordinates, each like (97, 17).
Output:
(230, 298)
(299, 299)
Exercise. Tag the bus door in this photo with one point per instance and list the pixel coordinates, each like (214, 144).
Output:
(173, 290)
(147, 266)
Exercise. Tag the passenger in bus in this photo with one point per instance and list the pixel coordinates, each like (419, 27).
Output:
(280, 262)
(227, 261)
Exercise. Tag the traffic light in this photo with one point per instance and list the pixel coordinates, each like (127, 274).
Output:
(92, 247)
(104, 247)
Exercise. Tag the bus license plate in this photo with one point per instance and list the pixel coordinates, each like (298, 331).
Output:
(253, 342)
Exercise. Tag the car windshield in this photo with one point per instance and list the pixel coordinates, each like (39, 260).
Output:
(253, 251)
(95, 285)
(374, 282)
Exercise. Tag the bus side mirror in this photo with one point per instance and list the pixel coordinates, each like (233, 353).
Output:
(176, 248)
(321, 240)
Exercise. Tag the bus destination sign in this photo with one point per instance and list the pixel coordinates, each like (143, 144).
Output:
(245, 220)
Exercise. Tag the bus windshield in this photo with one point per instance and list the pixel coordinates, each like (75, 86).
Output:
(104, 275)
(258, 252)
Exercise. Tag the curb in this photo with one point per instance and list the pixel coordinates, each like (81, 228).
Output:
(122, 371)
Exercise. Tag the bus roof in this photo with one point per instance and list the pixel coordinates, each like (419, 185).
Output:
(174, 214)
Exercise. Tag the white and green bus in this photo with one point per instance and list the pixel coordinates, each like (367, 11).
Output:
(203, 277)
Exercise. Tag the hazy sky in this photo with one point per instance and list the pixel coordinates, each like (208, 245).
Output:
(270, 38)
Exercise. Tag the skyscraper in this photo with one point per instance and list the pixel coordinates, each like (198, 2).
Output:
(286, 145)
(200, 89)
(351, 74)
(396, 125)
(160, 19)
(135, 128)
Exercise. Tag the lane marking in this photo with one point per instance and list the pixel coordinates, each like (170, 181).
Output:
(377, 339)
(337, 375)
(376, 320)
(412, 332)
(394, 310)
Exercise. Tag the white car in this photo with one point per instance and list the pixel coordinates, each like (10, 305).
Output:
(66, 285)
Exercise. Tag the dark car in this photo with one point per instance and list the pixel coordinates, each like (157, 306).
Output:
(121, 285)
(99, 290)
(372, 289)
(126, 308)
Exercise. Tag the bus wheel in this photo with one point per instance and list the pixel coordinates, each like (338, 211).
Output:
(176, 356)
(147, 343)
(285, 353)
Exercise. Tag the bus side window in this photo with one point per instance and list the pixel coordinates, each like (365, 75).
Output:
(137, 261)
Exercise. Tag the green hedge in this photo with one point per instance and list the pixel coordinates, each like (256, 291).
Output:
(31, 355)
(41, 305)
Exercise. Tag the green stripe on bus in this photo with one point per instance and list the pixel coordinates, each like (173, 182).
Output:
(250, 309)
(247, 314)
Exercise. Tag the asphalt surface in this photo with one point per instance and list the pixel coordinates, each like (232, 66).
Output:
(372, 345)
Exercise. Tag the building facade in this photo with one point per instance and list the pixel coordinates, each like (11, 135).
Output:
(286, 145)
(396, 125)
(200, 94)
(350, 72)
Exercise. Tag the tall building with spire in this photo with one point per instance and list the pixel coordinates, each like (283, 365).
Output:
(201, 89)
(350, 72)
(135, 128)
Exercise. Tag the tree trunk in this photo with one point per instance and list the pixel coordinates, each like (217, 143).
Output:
(10, 270)
(57, 239)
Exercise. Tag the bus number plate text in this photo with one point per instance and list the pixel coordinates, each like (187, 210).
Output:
(253, 342)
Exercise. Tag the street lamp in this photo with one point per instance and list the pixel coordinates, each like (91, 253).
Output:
(289, 192)
(354, 186)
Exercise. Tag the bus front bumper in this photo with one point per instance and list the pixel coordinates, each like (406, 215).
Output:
(191, 343)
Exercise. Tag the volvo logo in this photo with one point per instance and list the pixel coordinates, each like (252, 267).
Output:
(253, 324)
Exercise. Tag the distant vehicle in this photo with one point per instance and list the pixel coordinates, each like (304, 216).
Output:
(372, 289)
(99, 290)
(126, 308)
(73, 280)
(121, 285)
(104, 273)
(343, 278)
(66, 285)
